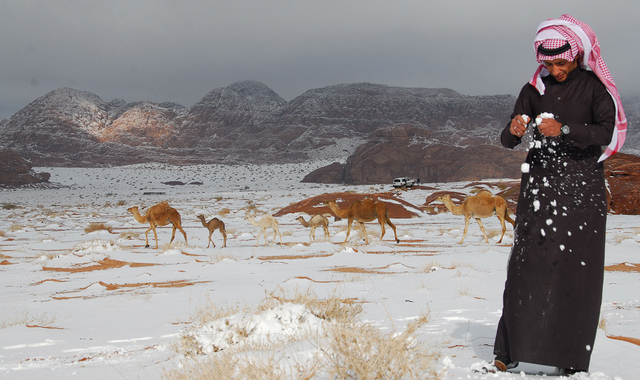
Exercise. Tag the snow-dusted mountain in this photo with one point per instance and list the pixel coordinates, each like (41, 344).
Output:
(244, 122)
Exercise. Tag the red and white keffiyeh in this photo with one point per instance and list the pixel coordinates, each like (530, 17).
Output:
(555, 33)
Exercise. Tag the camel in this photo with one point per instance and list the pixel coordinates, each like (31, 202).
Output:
(265, 222)
(212, 225)
(482, 205)
(314, 222)
(159, 215)
(365, 210)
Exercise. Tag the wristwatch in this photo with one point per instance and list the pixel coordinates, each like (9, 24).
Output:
(564, 130)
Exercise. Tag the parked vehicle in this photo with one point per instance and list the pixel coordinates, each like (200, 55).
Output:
(403, 182)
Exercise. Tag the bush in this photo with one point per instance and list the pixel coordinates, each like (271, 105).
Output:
(345, 348)
(98, 227)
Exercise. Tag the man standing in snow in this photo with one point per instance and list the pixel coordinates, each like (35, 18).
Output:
(553, 290)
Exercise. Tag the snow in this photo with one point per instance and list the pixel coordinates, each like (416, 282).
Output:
(117, 315)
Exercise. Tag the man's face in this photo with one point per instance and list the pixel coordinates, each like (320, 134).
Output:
(560, 68)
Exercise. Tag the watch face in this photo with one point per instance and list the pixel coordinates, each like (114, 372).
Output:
(564, 130)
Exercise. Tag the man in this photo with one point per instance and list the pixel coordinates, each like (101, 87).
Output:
(553, 291)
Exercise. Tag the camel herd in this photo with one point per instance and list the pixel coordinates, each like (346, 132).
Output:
(479, 206)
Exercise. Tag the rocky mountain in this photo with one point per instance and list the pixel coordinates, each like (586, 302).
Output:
(244, 122)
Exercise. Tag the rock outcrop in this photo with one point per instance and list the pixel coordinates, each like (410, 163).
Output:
(408, 151)
(15, 171)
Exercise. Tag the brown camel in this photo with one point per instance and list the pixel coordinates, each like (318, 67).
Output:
(314, 222)
(482, 205)
(265, 222)
(364, 210)
(159, 215)
(212, 225)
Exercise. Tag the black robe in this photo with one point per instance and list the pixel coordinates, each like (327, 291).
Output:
(553, 291)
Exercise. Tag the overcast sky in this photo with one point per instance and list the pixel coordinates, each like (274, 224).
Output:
(180, 50)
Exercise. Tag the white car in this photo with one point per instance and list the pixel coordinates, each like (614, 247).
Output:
(403, 182)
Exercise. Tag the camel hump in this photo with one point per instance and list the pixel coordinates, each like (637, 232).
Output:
(485, 193)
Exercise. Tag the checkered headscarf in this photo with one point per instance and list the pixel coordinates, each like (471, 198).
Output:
(555, 33)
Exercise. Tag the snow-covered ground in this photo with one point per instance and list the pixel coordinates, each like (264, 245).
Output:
(99, 305)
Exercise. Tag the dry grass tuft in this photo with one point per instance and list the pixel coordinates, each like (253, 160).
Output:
(25, 318)
(98, 227)
(224, 212)
(362, 351)
(222, 256)
(128, 235)
(16, 227)
(334, 308)
(602, 325)
(348, 348)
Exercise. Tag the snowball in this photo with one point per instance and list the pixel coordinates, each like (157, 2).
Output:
(524, 168)
(549, 222)
(536, 205)
(526, 118)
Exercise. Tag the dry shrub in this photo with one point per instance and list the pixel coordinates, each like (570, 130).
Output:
(98, 227)
(362, 351)
(602, 324)
(128, 235)
(2, 234)
(25, 318)
(224, 212)
(222, 256)
(9, 206)
(251, 206)
(226, 365)
(16, 227)
(333, 308)
(431, 266)
(349, 349)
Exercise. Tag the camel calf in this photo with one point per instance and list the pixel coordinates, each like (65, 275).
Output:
(212, 225)
(265, 222)
(314, 222)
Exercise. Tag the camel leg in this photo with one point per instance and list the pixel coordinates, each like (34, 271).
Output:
(279, 234)
(466, 227)
(326, 232)
(173, 234)
(348, 230)
(211, 241)
(393, 227)
(224, 235)
(482, 229)
(155, 235)
(183, 234)
(258, 241)
(146, 236)
(364, 231)
(312, 234)
(504, 228)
